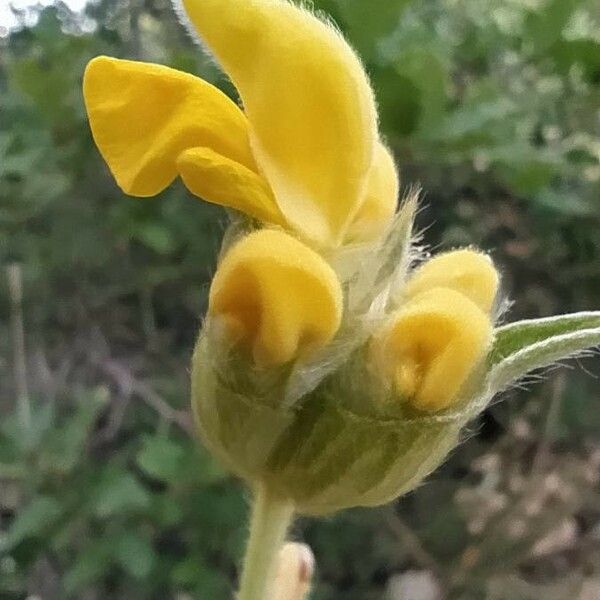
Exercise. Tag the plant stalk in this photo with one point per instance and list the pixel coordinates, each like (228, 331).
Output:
(271, 517)
(15, 290)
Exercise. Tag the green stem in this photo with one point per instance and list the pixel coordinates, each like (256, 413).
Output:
(271, 517)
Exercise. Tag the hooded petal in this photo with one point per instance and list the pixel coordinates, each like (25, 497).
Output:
(381, 200)
(309, 103)
(467, 271)
(276, 296)
(143, 116)
(215, 177)
(431, 347)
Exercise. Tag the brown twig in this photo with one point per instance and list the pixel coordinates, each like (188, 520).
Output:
(148, 317)
(550, 424)
(411, 542)
(129, 384)
(15, 291)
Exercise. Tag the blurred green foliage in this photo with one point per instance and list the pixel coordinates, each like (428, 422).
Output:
(494, 107)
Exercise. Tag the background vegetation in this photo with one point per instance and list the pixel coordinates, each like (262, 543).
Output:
(494, 107)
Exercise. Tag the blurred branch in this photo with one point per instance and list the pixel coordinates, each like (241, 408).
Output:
(114, 420)
(411, 542)
(550, 423)
(50, 381)
(135, 45)
(15, 291)
(129, 384)
(148, 318)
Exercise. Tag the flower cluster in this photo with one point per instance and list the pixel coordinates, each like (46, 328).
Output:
(329, 368)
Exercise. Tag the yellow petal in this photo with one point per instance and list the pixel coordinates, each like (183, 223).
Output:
(379, 206)
(279, 297)
(218, 179)
(143, 116)
(309, 103)
(432, 346)
(467, 271)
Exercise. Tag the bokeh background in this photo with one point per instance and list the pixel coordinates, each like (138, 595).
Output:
(493, 106)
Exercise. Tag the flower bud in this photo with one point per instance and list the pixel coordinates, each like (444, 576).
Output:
(431, 346)
(276, 297)
(296, 565)
(466, 271)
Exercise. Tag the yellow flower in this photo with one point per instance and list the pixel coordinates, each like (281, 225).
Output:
(469, 272)
(304, 153)
(277, 297)
(442, 332)
(304, 158)
(379, 206)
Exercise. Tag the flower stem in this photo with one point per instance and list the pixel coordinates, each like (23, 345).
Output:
(271, 517)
